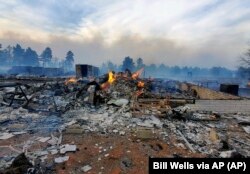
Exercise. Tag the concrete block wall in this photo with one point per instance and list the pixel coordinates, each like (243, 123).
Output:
(221, 106)
(205, 93)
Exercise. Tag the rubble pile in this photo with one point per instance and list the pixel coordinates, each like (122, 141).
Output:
(35, 122)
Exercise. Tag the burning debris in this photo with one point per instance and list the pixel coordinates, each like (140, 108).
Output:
(60, 123)
(70, 80)
(137, 74)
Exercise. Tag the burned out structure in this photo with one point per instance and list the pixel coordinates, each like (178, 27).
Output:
(84, 70)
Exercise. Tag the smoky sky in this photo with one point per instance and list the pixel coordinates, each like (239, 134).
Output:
(203, 33)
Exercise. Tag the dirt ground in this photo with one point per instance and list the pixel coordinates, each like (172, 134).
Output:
(108, 154)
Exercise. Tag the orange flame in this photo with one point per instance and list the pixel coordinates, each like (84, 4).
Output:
(140, 84)
(111, 79)
(70, 80)
(137, 74)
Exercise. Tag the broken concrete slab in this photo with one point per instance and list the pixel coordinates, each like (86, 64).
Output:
(86, 168)
(74, 131)
(61, 159)
(145, 134)
(148, 121)
(16, 127)
(247, 129)
(54, 140)
(67, 148)
(119, 102)
(70, 123)
(19, 133)
(5, 136)
(122, 133)
(227, 154)
(43, 139)
(41, 153)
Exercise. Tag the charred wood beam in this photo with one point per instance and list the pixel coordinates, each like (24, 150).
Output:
(13, 97)
(23, 93)
(186, 141)
(15, 93)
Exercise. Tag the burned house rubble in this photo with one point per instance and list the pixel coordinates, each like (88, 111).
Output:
(113, 123)
(37, 71)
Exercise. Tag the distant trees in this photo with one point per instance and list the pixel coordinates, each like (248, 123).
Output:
(103, 68)
(220, 72)
(215, 71)
(150, 70)
(128, 63)
(69, 61)
(139, 63)
(244, 69)
(108, 66)
(18, 56)
(30, 57)
(18, 53)
(3, 56)
(245, 58)
(164, 71)
(46, 56)
(243, 72)
(176, 70)
(111, 66)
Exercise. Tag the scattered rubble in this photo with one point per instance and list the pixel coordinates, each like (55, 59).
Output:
(44, 120)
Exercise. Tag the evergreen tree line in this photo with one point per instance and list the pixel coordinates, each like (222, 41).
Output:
(18, 56)
(163, 71)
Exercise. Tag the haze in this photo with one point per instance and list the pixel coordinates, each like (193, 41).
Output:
(201, 33)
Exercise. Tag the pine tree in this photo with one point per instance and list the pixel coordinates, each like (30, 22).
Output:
(69, 61)
(30, 57)
(46, 56)
(18, 53)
